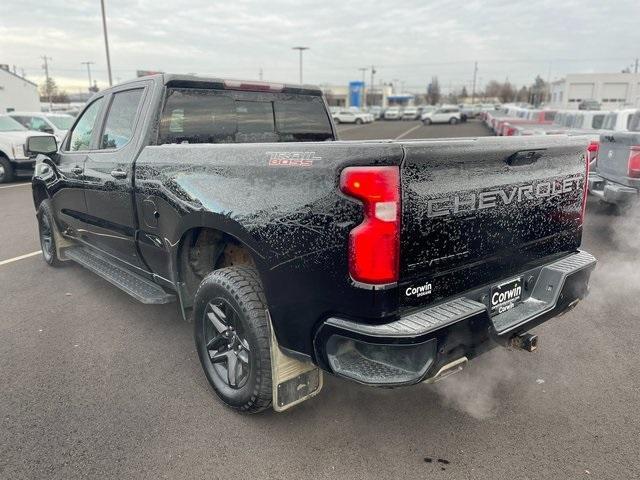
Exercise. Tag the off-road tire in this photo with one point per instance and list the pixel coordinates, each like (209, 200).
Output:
(7, 169)
(47, 236)
(240, 286)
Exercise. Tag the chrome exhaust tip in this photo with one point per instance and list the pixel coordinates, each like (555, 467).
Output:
(525, 341)
(448, 369)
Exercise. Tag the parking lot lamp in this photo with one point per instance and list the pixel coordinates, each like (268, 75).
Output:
(300, 49)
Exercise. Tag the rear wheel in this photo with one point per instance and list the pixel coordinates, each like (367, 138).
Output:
(426, 121)
(453, 120)
(232, 337)
(6, 170)
(358, 121)
(47, 238)
(336, 120)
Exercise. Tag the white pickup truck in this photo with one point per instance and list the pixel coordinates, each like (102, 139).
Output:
(13, 161)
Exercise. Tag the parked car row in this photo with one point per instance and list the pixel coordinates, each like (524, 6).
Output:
(612, 141)
(428, 114)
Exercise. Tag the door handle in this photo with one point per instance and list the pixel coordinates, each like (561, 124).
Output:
(77, 170)
(119, 174)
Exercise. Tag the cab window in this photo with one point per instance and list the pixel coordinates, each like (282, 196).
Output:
(120, 122)
(80, 138)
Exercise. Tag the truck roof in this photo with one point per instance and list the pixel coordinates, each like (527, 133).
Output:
(197, 81)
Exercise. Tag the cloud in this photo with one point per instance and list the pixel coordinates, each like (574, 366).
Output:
(408, 40)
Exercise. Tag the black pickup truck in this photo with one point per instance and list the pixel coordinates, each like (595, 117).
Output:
(616, 176)
(293, 253)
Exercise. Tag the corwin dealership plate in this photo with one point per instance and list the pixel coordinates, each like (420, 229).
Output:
(506, 296)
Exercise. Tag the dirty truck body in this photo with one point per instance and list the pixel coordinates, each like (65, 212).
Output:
(293, 253)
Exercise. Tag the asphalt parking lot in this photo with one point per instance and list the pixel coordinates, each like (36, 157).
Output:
(96, 385)
(408, 130)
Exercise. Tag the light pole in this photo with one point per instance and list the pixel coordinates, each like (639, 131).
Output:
(300, 49)
(88, 64)
(106, 41)
(46, 74)
(363, 102)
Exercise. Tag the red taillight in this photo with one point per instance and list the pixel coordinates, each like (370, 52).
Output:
(585, 189)
(374, 245)
(592, 151)
(510, 131)
(634, 161)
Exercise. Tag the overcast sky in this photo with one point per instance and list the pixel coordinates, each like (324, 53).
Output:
(408, 41)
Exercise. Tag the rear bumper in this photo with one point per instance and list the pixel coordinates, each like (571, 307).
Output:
(416, 346)
(611, 192)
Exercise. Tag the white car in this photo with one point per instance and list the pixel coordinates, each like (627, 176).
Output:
(393, 113)
(410, 113)
(13, 161)
(350, 116)
(57, 124)
(442, 115)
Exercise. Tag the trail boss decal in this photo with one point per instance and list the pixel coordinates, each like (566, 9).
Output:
(291, 159)
(419, 291)
(505, 296)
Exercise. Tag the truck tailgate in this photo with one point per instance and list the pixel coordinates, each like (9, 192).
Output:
(476, 211)
(613, 157)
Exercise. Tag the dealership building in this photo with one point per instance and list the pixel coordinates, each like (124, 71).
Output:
(351, 95)
(17, 93)
(611, 90)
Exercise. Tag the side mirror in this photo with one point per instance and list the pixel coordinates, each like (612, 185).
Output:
(41, 144)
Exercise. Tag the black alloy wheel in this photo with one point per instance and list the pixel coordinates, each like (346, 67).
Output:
(228, 349)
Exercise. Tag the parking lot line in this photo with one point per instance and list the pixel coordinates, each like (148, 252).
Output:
(15, 185)
(21, 257)
(412, 129)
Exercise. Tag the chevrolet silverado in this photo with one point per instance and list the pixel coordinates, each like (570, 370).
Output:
(293, 253)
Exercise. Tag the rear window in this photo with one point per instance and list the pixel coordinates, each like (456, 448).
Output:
(217, 116)
(597, 121)
(610, 121)
(549, 116)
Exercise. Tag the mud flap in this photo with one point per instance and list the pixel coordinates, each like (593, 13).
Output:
(293, 381)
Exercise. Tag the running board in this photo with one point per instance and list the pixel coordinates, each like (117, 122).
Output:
(138, 287)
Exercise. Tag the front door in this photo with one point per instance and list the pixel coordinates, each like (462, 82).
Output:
(109, 177)
(67, 191)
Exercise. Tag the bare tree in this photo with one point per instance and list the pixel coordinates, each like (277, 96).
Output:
(433, 92)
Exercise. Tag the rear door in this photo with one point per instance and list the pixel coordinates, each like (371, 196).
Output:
(476, 211)
(109, 175)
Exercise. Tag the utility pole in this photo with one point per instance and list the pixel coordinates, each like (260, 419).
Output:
(300, 49)
(473, 90)
(363, 101)
(106, 41)
(48, 81)
(373, 72)
(88, 64)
